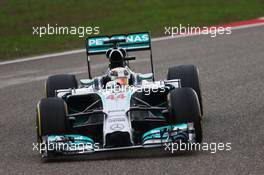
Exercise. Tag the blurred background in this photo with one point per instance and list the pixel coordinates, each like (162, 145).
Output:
(17, 17)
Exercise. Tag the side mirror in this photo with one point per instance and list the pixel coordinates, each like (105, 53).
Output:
(176, 83)
(87, 82)
(148, 76)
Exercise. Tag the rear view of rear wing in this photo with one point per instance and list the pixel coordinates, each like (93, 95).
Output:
(130, 42)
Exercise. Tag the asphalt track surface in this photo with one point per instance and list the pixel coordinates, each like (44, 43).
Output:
(232, 77)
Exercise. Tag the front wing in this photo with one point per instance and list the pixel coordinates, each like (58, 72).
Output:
(72, 144)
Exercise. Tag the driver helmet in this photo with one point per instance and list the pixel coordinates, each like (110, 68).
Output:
(120, 75)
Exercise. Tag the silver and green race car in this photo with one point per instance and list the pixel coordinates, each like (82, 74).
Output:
(121, 109)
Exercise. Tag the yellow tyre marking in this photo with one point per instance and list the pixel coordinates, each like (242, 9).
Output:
(39, 122)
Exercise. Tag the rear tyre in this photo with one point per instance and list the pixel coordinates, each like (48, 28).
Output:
(51, 117)
(189, 76)
(55, 82)
(184, 107)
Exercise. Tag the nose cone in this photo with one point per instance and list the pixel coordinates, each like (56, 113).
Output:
(118, 139)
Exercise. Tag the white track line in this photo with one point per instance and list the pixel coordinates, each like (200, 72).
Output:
(43, 56)
(83, 50)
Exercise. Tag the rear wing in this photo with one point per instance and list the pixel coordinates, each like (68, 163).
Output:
(131, 42)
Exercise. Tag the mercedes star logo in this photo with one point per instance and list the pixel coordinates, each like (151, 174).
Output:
(117, 126)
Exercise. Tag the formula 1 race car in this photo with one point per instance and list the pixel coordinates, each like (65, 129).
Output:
(121, 109)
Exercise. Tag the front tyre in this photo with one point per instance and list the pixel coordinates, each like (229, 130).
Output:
(51, 117)
(184, 107)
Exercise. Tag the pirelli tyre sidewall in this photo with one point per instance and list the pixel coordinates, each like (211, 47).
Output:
(184, 107)
(63, 81)
(51, 117)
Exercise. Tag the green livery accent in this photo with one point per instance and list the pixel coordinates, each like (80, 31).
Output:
(134, 41)
(70, 143)
(155, 133)
(77, 138)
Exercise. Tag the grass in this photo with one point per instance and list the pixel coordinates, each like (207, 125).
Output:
(17, 18)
